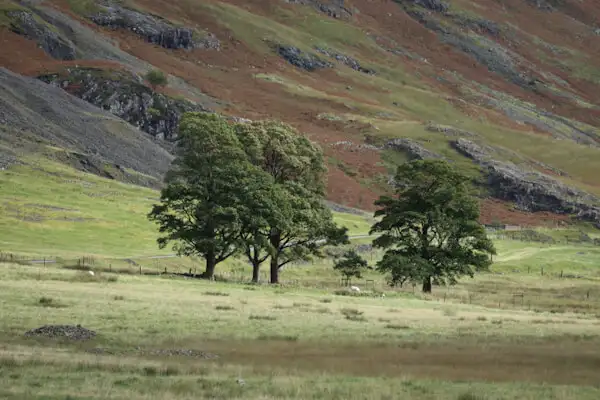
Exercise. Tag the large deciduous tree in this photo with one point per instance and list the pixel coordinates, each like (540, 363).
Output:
(297, 223)
(209, 188)
(431, 229)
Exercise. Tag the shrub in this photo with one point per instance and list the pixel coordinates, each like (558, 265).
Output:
(156, 78)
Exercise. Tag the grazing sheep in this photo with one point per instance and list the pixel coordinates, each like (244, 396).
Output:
(355, 289)
(91, 273)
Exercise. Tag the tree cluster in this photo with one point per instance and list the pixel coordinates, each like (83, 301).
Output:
(255, 189)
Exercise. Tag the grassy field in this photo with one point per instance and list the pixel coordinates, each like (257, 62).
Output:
(528, 329)
(294, 342)
(47, 209)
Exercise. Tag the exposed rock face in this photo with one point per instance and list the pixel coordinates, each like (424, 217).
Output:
(546, 5)
(152, 29)
(123, 96)
(449, 130)
(530, 190)
(300, 59)
(415, 150)
(37, 114)
(26, 24)
(433, 5)
(333, 8)
(349, 61)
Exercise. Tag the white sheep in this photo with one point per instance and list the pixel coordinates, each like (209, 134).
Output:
(355, 289)
(91, 273)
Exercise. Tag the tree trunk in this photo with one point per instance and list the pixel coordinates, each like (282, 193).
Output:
(255, 272)
(274, 269)
(427, 285)
(275, 239)
(211, 263)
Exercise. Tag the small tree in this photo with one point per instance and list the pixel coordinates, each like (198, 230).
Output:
(156, 78)
(431, 230)
(351, 265)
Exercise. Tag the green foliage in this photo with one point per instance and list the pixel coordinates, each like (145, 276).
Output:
(431, 230)
(351, 265)
(156, 78)
(206, 191)
(289, 222)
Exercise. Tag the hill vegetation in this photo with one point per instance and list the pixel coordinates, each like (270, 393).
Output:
(246, 134)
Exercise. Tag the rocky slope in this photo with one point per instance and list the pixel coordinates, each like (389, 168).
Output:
(124, 95)
(38, 117)
(509, 91)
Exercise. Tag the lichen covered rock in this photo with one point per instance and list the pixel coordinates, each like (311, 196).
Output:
(125, 96)
(530, 190)
(152, 29)
(25, 23)
(300, 59)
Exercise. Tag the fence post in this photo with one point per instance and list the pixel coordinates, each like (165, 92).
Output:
(140, 269)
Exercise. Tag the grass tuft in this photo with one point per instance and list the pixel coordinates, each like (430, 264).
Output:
(224, 308)
(397, 326)
(49, 302)
(263, 317)
(209, 293)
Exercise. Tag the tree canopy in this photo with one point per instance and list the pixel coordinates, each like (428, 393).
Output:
(351, 265)
(298, 223)
(256, 188)
(156, 78)
(208, 189)
(430, 228)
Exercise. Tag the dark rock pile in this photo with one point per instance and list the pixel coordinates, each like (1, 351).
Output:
(152, 29)
(349, 61)
(25, 23)
(300, 59)
(71, 332)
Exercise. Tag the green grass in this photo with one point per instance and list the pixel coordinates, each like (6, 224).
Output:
(283, 343)
(49, 209)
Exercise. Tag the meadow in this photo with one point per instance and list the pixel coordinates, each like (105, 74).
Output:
(528, 329)
(167, 337)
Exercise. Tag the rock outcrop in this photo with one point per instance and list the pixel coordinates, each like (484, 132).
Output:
(414, 150)
(152, 29)
(332, 8)
(27, 24)
(530, 190)
(300, 59)
(348, 61)
(123, 95)
(35, 114)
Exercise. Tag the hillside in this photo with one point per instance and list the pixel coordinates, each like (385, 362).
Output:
(508, 90)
